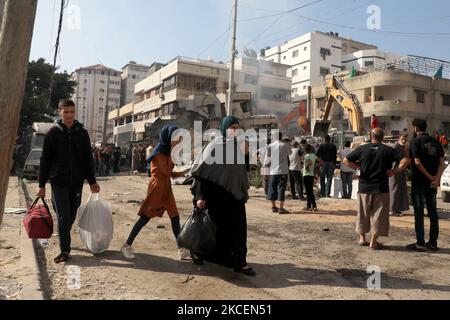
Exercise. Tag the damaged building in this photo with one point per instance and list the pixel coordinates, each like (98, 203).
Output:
(187, 90)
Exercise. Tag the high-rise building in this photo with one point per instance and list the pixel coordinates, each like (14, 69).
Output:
(97, 92)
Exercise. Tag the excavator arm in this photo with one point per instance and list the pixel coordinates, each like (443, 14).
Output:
(337, 92)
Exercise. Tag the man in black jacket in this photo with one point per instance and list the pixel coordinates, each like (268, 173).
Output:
(66, 161)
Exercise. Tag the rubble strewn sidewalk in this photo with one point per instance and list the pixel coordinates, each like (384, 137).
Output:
(18, 267)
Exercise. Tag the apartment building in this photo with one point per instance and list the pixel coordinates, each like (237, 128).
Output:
(396, 96)
(98, 91)
(189, 89)
(132, 73)
(313, 56)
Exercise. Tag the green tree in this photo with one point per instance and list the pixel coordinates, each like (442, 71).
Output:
(34, 107)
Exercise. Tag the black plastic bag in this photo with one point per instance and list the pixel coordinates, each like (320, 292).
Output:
(198, 233)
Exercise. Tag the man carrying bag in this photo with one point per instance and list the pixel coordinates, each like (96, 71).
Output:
(66, 161)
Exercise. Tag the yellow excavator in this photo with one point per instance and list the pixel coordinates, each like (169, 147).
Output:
(337, 92)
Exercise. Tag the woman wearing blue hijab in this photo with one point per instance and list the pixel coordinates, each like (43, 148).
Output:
(222, 189)
(160, 197)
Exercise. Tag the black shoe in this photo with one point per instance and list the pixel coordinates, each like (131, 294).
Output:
(247, 271)
(416, 247)
(275, 210)
(431, 246)
(197, 260)
(283, 211)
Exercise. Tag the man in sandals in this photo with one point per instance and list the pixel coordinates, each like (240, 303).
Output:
(375, 162)
(66, 161)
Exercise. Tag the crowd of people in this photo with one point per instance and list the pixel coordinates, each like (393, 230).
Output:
(113, 159)
(222, 187)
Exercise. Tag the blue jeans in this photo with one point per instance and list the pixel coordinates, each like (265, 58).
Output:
(421, 196)
(347, 184)
(66, 201)
(326, 177)
(277, 187)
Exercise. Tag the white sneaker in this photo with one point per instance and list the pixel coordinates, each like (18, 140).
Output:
(183, 253)
(127, 252)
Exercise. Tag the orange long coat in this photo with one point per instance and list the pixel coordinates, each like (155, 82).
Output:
(159, 193)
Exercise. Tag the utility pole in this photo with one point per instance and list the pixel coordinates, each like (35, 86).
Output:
(16, 32)
(233, 58)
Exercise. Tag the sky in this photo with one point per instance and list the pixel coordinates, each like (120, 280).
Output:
(114, 32)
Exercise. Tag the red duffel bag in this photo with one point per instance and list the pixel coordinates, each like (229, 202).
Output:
(38, 222)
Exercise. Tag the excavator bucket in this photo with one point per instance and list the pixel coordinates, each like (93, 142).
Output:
(321, 128)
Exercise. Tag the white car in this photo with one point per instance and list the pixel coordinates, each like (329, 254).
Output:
(445, 185)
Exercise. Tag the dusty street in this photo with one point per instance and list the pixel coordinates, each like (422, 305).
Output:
(297, 256)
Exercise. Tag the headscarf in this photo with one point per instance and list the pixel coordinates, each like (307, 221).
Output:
(165, 138)
(227, 122)
(232, 177)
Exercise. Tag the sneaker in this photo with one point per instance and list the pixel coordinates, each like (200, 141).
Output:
(183, 254)
(283, 211)
(416, 247)
(127, 252)
(431, 246)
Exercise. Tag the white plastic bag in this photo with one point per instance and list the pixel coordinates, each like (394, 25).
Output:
(95, 224)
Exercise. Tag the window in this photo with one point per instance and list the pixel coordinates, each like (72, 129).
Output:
(284, 58)
(169, 84)
(368, 64)
(100, 110)
(420, 96)
(305, 48)
(250, 79)
(102, 81)
(199, 84)
(295, 72)
(129, 119)
(294, 91)
(295, 54)
(133, 76)
(275, 94)
(102, 90)
(324, 52)
(305, 67)
(446, 100)
(324, 71)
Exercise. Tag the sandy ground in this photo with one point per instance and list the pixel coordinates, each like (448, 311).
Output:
(297, 256)
(10, 232)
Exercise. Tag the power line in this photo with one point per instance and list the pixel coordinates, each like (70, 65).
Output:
(312, 27)
(218, 38)
(64, 4)
(281, 13)
(377, 31)
(279, 18)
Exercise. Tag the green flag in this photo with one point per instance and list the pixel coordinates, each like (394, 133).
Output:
(439, 72)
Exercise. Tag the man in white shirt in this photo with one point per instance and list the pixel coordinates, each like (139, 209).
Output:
(277, 159)
(295, 172)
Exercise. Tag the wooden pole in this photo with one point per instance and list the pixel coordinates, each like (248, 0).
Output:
(17, 24)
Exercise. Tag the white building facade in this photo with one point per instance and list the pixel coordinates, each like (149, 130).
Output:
(311, 57)
(98, 91)
(132, 73)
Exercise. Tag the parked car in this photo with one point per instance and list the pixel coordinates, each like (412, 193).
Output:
(32, 163)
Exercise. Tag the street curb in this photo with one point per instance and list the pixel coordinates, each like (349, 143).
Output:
(29, 264)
